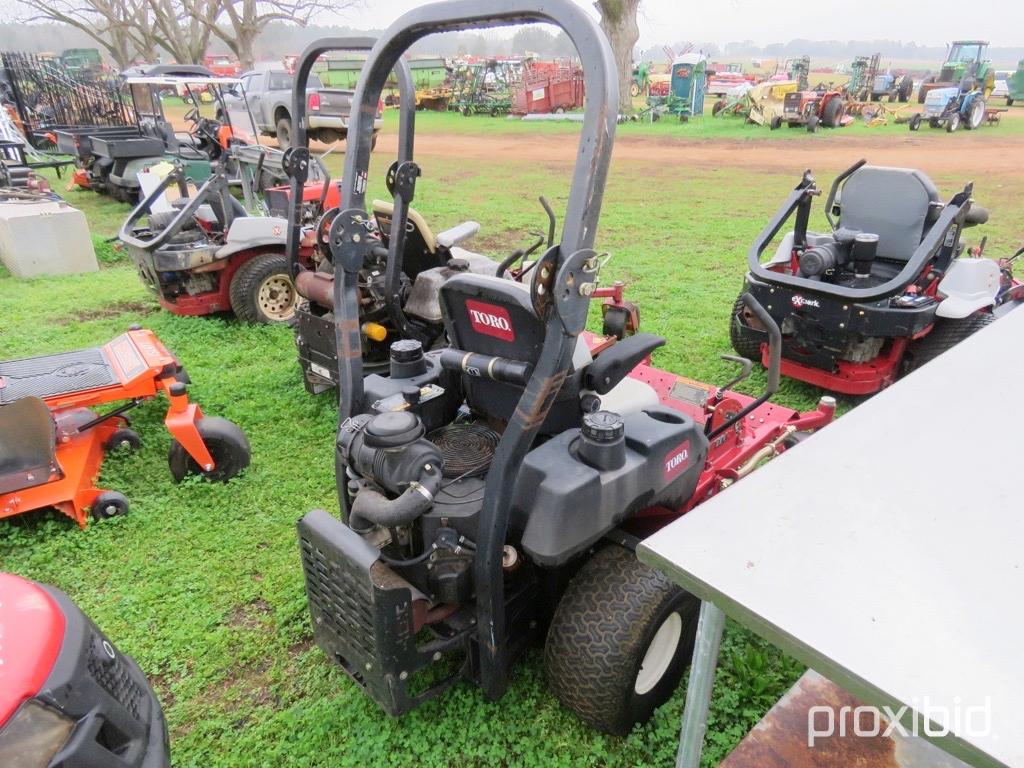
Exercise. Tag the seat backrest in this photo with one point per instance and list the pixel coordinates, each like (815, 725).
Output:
(420, 250)
(26, 444)
(893, 203)
(492, 316)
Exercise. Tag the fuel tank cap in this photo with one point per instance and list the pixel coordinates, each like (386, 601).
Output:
(603, 426)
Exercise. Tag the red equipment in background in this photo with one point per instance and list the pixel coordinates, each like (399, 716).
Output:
(549, 86)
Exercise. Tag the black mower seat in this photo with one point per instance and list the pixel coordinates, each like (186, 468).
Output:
(424, 249)
(50, 375)
(894, 203)
(493, 316)
(26, 444)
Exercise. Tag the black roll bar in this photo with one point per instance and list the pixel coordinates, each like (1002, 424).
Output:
(297, 158)
(563, 278)
(952, 215)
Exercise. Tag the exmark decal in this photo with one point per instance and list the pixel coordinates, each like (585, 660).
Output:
(490, 320)
(677, 461)
(802, 301)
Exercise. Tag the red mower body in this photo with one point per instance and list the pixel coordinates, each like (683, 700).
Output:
(68, 697)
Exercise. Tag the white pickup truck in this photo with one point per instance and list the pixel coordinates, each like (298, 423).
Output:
(269, 93)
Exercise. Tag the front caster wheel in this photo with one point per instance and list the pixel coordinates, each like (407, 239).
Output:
(619, 641)
(109, 504)
(226, 443)
(123, 439)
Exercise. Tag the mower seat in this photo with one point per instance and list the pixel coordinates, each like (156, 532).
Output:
(493, 316)
(424, 250)
(897, 204)
(26, 444)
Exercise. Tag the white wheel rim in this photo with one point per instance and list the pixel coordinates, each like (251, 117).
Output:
(659, 654)
(276, 298)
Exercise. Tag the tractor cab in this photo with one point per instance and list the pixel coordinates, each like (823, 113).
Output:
(965, 68)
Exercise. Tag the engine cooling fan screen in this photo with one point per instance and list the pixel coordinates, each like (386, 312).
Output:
(467, 448)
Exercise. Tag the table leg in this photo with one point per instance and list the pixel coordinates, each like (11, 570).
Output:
(710, 625)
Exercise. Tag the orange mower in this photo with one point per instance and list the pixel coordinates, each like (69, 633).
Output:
(52, 442)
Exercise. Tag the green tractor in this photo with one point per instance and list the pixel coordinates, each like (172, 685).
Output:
(1015, 85)
(966, 67)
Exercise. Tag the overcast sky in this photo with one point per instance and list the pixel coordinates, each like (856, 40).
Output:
(933, 22)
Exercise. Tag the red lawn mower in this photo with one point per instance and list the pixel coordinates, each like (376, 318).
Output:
(68, 697)
(886, 290)
(52, 442)
(493, 488)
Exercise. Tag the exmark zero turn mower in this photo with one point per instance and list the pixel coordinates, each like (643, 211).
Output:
(882, 293)
(492, 490)
(399, 282)
(52, 443)
(68, 696)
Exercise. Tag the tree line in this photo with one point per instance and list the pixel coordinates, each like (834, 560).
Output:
(132, 30)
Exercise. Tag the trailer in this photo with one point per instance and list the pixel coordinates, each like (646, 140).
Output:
(549, 87)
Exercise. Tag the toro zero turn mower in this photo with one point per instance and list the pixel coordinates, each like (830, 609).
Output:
(882, 293)
(400, 279)
(493, 489)
(52, 442)
(68, 697)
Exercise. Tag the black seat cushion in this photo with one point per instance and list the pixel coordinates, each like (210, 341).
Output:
(26, 444)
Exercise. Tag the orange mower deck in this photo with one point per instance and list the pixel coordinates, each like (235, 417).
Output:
(134, 367)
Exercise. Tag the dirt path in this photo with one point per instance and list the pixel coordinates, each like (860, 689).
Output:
(976, 155)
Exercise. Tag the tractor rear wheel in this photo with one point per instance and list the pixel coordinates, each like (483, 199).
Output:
(921, 91)
(976, 115)
(262, 290)
(832, 114)
(945, 334)
(226, 443)
(619, 641)
(745, 336)
(906, 88)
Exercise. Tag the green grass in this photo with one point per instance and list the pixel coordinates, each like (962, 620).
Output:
(202, 583)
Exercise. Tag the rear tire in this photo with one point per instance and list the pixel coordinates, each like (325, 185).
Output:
(619, 641)
(284, 132)
(226, 443)
(745, 340)
(262, 291)
(945, 335)
(976, 116)
(833, 113)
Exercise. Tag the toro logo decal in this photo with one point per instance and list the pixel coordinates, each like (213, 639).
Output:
(677, 461)
(490, 320)
(802, 301)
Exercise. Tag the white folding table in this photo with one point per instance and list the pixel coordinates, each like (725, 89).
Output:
(886, 552)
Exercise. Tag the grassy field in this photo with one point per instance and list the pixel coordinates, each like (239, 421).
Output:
(202, 583)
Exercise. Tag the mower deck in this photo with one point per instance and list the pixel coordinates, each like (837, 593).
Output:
(134, 367)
